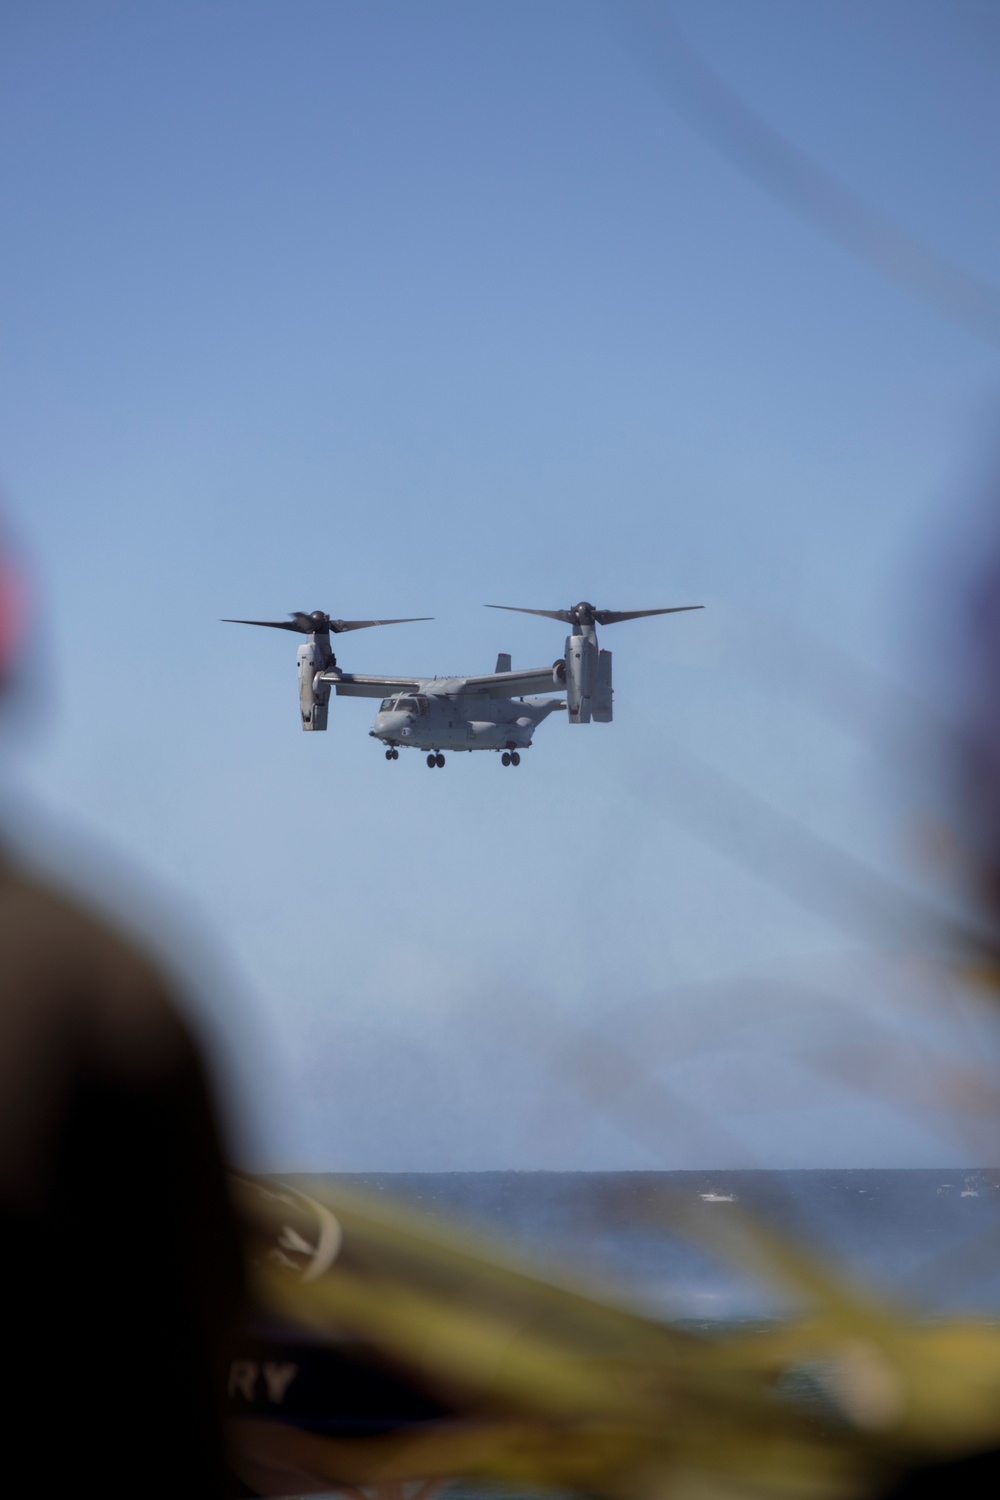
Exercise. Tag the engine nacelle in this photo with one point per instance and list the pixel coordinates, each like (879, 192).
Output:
(603, 694)
(314, 697)
(559, 672)
(581, 677)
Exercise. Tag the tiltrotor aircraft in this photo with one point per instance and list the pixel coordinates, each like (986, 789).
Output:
(492, 712)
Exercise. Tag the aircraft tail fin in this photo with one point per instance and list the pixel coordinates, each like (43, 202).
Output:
(503, 662)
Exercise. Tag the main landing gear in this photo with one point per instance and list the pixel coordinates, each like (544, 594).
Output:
(510, 758)
(435, 760)
(392, 755)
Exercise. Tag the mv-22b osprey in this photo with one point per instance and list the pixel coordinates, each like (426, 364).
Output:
(494, 712)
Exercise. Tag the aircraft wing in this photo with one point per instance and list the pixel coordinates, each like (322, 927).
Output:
(494, 685)
(356, 685)
(513, 684)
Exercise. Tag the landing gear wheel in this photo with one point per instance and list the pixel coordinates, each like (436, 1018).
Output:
(505, 758)
(515, 759)
(439, 760)
(395, 754)
(432, 761)
(388, 755)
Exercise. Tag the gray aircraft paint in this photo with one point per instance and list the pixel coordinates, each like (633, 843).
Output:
(314, 694)
(499, 711)
(463, 721)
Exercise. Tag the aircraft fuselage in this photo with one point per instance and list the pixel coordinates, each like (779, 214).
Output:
(426, 721)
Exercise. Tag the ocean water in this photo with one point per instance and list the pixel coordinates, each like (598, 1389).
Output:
(928, 1237)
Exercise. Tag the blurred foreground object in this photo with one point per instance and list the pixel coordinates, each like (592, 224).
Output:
(120, 1264)
(541, 1383)
(779, 167)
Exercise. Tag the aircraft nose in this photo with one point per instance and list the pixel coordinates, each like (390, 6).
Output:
(388, 725)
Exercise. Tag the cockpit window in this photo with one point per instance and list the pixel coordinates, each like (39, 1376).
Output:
(404, 705)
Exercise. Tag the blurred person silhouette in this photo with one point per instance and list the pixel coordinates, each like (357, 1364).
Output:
(121, 1268)
(975, 813)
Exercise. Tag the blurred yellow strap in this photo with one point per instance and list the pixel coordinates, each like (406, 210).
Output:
(555, 1384)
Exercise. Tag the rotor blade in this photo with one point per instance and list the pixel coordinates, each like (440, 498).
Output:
(614, 616)
(338, 625)
(304, 624)
(273, 624)
(550, 614)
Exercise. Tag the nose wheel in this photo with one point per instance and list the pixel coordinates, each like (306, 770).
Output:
(510, 758)
(392, 755)
(435, 760)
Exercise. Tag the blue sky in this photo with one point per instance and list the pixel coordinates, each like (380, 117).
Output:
(402, 309)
